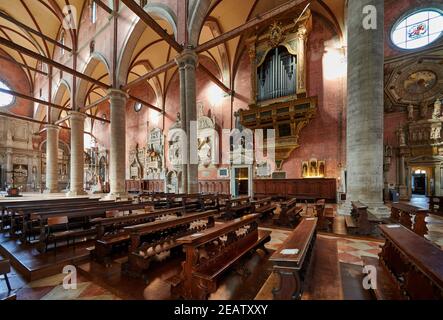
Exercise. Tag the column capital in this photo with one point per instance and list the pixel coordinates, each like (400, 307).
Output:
(188, 57)
(51, 127)
(76, 115)
(117, 93)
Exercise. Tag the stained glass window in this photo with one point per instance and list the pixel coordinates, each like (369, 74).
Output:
(5, 98)
(418, 29)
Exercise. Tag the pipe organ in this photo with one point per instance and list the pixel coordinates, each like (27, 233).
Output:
(277, 75)
(279, 96)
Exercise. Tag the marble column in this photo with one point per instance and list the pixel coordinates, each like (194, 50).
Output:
(182, 74)
(9, 167)
(403, 189)
(187, 62)
(77, 153)
(52, 132)
(117, 164)
(365, 104)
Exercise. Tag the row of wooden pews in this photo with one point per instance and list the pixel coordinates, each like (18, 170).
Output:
(409, 267)
(287, 213)
(212, 252)
(361, 221)
(154, 238)
(411, 217)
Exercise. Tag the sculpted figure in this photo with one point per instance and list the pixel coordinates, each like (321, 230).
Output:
(410, 112)
(437, 109)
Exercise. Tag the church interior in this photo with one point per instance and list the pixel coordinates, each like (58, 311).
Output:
(221, 150)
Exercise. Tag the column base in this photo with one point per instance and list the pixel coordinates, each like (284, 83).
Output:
(117, 195)
(48, 191)
(76, 193)
(378, 209)
(403, 190)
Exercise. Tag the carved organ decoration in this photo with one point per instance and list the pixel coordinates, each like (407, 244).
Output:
(278, 96)
(207, 137)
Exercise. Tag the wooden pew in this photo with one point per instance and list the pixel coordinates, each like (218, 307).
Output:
(212, 252)
(410, 265)
(5, 268)
(236, 208)
(150, 239)
(8, 208)
(287, 213)
(112, 237)
(22, 220)
(291, 261)
(263, 206)
(31, 219)
(436, 205)
(84, 216)
(412, 217)
(361, 221)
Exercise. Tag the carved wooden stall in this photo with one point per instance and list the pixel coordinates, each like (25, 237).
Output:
(316, 188)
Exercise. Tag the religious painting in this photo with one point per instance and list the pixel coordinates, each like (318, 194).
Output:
(321, 169)
(305, 167)
(313, 167)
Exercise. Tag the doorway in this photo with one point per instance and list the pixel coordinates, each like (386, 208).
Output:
(241, 181)
(419, 183)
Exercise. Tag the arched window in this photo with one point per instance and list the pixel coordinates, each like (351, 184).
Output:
(5, 98)
(93, 12)
(418, 29)
(62, 41)
(137, 106)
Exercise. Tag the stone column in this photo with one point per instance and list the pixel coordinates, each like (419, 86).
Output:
(117, 166)
(182, 73)
(403, 190)
(365, 105)
(188, 91)
(9, 167)
(52, 132)
(77, 153)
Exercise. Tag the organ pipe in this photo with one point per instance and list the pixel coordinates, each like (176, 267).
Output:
(276, 76)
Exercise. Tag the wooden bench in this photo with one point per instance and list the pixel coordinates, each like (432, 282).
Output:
(5, 268)
(263, 206)
(412, 217)
(291, 261)
(436, 205)
(361, 221)
(236, 208)
(150, 239)
(23, 221)
(9, 208)
(214, 251)
(287, 213)
(80, 219)
(411, 265)
(112, 237)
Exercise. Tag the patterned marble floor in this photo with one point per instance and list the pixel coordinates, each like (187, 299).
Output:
(51, 288)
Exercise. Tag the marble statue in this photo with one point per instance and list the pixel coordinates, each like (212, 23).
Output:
(401, 137)
(437, 110)
(410, 112)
